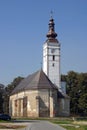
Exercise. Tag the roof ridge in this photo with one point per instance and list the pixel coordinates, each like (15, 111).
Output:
(39, 76)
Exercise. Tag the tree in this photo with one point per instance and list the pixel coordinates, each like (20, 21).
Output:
(83, 105)
(2, 91)
(72, 90)
(64, 78)
(82, 85)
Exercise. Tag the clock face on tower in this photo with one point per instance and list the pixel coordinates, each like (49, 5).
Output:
(52, 50)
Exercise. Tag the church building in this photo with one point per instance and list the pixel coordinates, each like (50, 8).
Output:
(41, 94)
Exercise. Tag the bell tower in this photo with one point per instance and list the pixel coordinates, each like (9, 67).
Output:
(51, 55)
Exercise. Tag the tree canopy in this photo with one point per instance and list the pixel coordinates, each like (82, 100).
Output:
(77, 90)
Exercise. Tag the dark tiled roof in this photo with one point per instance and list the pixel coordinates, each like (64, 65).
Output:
(37, 80)
(62, 95)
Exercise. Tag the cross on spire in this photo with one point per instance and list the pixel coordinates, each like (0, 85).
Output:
(51, 14)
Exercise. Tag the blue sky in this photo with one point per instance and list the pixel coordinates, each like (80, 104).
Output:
(23, 29)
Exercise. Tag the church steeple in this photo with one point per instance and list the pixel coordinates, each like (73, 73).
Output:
(51, 35)
(51, 55)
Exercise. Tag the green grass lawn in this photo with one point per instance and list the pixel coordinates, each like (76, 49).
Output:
(81, 127)
(70, 124)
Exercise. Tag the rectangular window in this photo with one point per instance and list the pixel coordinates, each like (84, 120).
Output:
(53, 64)
(53, 57)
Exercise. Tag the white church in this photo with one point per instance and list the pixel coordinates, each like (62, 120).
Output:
(41, 94)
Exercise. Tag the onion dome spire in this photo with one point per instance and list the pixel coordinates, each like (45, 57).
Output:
(51, 33)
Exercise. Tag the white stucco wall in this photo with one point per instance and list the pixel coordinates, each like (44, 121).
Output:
(52, 67)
